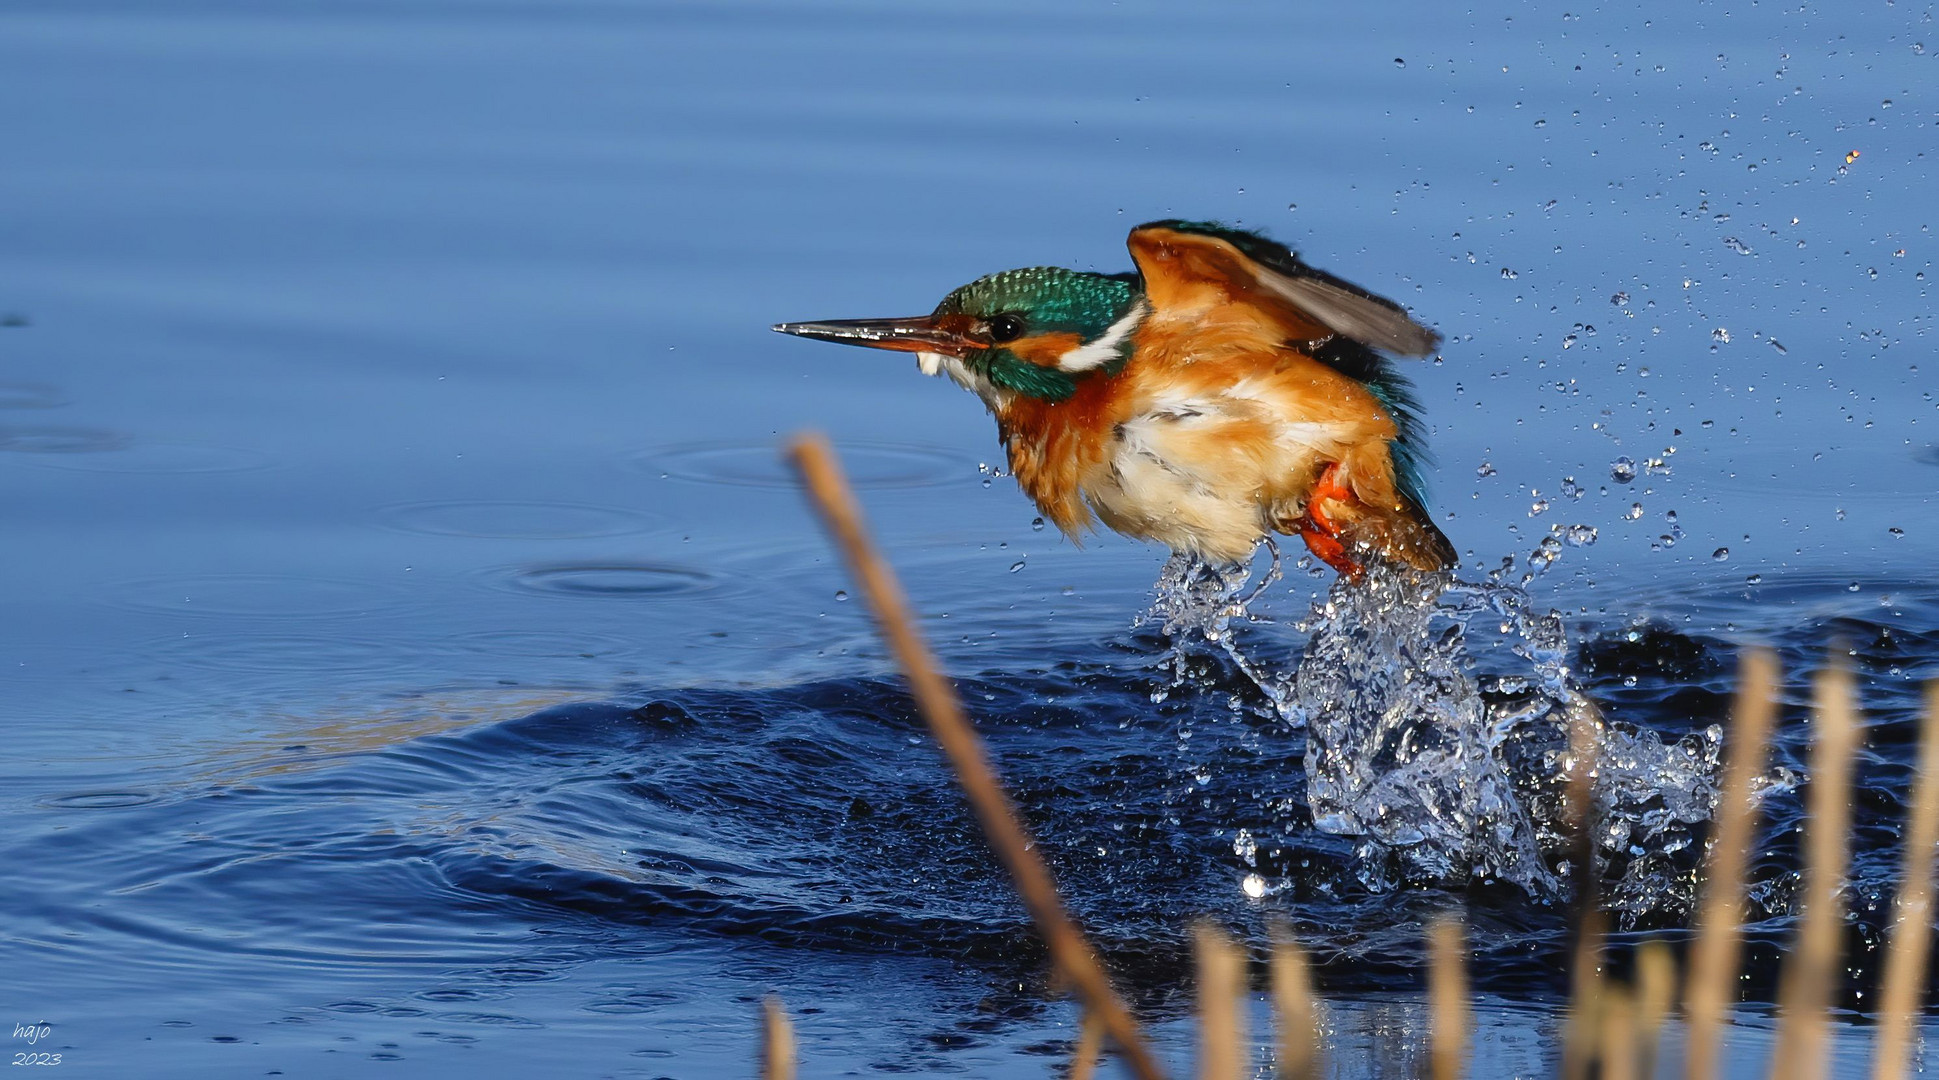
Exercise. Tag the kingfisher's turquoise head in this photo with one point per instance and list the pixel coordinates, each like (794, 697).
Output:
(1038, 332)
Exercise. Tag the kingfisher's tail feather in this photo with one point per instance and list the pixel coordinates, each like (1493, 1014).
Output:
(1343, 529)
(1409, 536)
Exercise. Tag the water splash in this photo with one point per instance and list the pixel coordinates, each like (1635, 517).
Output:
(1401, 754)
(1195, 601)
(1437, 714)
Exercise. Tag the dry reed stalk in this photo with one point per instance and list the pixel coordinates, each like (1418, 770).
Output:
(1619, 1054)
(1447, 994)
(1714, 955)
(1905, 960)
(1083, 1060)
(1295, 1013)
(777, 1041)
(1655, 992)
(1222, 1043)
(1812, 969)
(1070, 952)
(1581, 1029)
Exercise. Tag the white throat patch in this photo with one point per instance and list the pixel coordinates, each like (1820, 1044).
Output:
(932, 363)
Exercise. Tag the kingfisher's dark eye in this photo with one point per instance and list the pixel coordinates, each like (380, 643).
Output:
(1006, 327)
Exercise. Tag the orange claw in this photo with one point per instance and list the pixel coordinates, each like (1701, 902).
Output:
(1322, 534)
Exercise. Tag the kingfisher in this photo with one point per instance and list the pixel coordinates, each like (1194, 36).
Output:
(1223, 392)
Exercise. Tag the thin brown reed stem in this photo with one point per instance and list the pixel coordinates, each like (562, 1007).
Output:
(1655, 991)
(1447, 995)
(1582, 1030)
(1905, 960)
(1295, 1014)
(1812, 969)
(936, 698)
(1714, 955)
(1222, 1042)
(777, 1041)
(1083, 1060)
(1619, 1054)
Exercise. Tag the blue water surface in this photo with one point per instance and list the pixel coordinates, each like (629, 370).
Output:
(417, 657)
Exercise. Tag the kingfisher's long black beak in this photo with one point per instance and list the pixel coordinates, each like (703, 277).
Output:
(946, 334)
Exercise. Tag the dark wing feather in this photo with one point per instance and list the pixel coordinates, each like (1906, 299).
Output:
(1277, 271)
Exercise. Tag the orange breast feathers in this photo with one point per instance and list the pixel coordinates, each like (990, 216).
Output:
(1206, 442)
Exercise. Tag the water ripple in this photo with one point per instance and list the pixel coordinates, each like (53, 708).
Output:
(291, 654)
(610, 580)
(505, 520)
(552, 644)
(277, 595)
(759, 464)
(162, 459)
(100, 800)
(59, 440)
(24, 395)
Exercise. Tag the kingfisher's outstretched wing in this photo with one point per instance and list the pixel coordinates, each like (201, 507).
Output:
(1193, 268)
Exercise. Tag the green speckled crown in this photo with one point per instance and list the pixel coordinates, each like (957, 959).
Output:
(1050, 300)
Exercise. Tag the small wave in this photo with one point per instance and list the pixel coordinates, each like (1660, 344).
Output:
(817, 816)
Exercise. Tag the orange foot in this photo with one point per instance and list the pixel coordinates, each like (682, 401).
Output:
(1321, 533)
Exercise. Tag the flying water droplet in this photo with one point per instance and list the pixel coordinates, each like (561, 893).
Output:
(1720, 335)
(1622, 470)
(1245, 847)
(1538, 508)
(1572, 489)
(1635, 512)
(1545, 554)
(1721, 554)
(1579, 535)
(1737, 245)
(841, 595)
(1036, 524)
(1016, 566)
(1487, 469)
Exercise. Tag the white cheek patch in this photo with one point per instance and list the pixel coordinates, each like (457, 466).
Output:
(929, 363)
(1108, 346)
